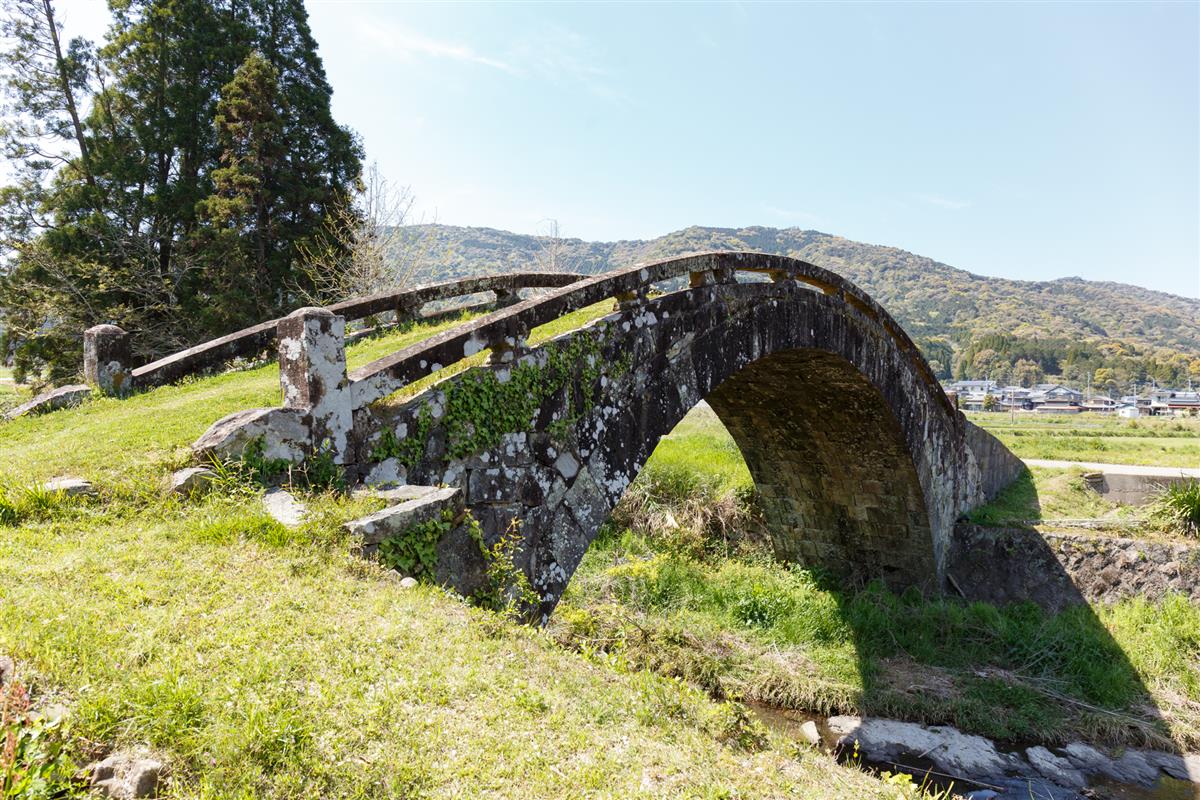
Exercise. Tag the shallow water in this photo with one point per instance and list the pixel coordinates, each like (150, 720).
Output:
(788, 723)
(1167, 788)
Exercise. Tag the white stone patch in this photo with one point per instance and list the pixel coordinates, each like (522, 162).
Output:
(71, 487)
(474, 345)
(284, 508)
(290, 348)
(567, 466)
(386, 472)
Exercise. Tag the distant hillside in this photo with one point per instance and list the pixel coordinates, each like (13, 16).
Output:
(927, 297)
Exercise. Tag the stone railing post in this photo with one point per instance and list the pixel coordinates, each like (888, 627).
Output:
(407, 310)
(106, 360)
(506, 297)
(312, 375)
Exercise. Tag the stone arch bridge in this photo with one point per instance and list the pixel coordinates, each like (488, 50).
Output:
(861, 462)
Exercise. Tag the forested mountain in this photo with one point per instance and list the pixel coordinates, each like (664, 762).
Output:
(1066, 326)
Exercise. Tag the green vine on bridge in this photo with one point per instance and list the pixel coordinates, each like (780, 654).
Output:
(480, 408)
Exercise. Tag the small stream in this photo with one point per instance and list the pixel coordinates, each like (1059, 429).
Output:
(976, 768)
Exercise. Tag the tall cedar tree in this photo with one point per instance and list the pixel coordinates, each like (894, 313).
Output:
(243, 211)
(128, 226)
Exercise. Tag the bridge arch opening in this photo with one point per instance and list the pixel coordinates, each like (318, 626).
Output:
(834, 479)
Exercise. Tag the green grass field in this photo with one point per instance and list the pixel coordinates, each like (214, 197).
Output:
(1154, 441)
(261, 661)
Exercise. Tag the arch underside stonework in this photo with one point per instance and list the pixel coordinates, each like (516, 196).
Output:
(860, 463)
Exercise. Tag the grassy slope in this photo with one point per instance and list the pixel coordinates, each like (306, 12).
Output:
(275, 665)
(746, 625)
(269, 663)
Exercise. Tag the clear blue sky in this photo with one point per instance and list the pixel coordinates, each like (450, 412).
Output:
(1021, 140)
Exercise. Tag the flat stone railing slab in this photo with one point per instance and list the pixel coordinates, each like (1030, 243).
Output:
(252, 341)
(62, 397)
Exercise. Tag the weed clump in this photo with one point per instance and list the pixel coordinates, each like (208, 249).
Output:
(34, 763)
(1178, 506)
(35, 502)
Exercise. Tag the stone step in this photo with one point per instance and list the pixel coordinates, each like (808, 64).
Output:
(417, 504)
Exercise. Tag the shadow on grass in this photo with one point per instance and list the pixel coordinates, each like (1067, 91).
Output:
(1013, 651)
(1023, 654)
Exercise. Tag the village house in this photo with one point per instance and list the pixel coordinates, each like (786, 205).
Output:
(1175, 402)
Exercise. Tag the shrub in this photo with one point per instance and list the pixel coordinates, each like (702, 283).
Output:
(1178, 505)
(507, 590)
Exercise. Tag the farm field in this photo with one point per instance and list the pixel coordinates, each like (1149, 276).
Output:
(1151, 441)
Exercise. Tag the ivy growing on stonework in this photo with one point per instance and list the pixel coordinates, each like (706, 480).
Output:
(413, 551)
(407, 451)
(481, 409)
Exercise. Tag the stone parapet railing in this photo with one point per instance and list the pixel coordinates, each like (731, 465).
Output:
(107, 362)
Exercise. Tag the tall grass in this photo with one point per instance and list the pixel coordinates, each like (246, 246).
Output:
(1178, 505)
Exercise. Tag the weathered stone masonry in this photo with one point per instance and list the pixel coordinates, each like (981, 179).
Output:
(861, 463)
(107, 356)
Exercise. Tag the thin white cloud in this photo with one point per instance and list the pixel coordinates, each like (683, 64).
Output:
(790, 215)
(559, 55)
(406, 43)
(551, 53)
(942, 202)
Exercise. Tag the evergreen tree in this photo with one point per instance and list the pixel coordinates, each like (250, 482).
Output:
(194, 150)
(243, 210)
